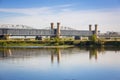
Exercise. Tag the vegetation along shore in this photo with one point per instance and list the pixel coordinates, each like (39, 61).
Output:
(57, 42)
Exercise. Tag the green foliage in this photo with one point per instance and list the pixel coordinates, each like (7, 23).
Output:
(68, 42)
(57, 39)
(94, 42)
(56, 44)
(94, 38)
(3, 44)
(61, 43)
(82, 44)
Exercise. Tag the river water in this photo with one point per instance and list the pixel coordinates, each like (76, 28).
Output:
(60, 64)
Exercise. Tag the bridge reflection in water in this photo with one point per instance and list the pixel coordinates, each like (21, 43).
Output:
(60, 64)
(93, 53)
(5, 53)
(54, 54)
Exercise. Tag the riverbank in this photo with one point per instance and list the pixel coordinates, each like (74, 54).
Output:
(60, 44)
(32, 44)
(66, 46)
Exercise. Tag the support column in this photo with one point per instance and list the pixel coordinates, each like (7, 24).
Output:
(96, 30)
(52, 25)
(58, 30)
(52, 30)
(90, 27)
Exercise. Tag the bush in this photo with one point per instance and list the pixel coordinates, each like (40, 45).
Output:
(94, 38)
(61, 43)
(68, 42)
(3, 44)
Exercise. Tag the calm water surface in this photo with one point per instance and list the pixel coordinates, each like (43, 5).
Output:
(60, 64)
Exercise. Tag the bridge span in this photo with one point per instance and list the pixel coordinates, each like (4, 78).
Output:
(56, 32)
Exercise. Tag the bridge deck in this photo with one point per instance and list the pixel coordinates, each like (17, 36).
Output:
(44, 32)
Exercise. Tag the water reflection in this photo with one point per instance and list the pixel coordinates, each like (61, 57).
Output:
(67, 64)
(23, 53)
(54, 53)
(93, 53)
(5, 53)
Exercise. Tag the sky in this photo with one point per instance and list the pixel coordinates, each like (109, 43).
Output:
(77, 14)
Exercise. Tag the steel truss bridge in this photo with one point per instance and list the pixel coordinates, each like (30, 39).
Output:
(52, 31)
(44, 32)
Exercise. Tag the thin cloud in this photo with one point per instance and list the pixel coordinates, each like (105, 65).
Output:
(37, 11)
(28, 11)
(107, 19)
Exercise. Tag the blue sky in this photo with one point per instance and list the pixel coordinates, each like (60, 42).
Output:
(72, 13)
(85, 4)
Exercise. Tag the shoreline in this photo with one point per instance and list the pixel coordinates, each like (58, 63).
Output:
(60, 44)
(38, 46)
(53, 47)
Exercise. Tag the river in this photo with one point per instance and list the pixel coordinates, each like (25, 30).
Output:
(60, 64)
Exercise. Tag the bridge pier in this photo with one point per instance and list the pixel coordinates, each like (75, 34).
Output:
(96, 29)
(52, 26)
(90, 27)
(52, 30)
(58, 30)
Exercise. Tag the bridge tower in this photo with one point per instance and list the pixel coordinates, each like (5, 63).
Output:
(52, 25)
(58, 30)
(90, 27)
(96, 29)
(52, 29)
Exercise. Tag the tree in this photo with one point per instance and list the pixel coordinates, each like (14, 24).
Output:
(94, 38)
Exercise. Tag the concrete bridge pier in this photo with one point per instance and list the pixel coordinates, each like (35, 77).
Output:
(52, 30)
(52, 25)
(58, 30)
(96, 29)
(90, 27)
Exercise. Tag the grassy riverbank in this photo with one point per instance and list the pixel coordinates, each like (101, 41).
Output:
(37, 44)
(78, 43)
